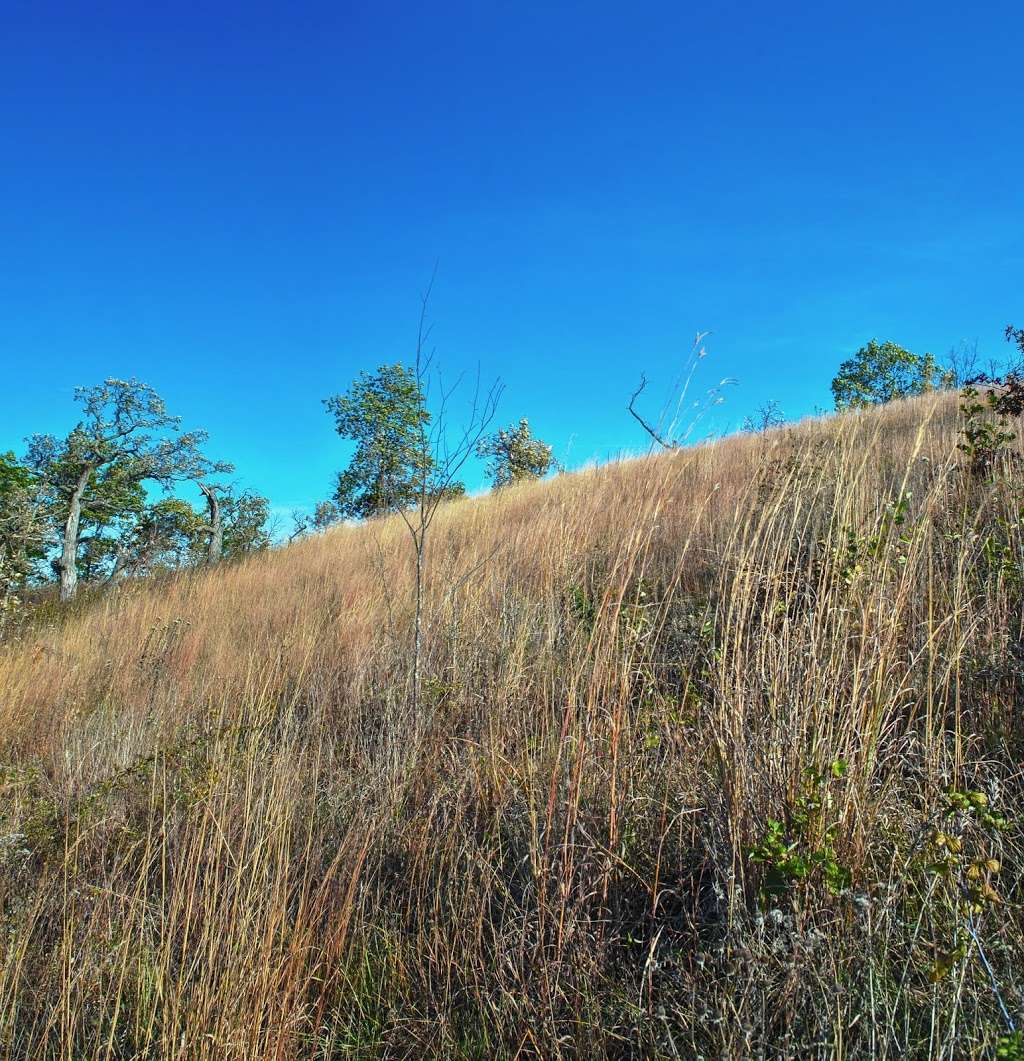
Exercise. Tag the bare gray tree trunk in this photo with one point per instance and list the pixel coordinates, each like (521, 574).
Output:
(68, 563)
(216, 546)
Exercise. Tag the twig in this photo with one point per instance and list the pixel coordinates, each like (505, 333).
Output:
(991, 975)
(643, 423)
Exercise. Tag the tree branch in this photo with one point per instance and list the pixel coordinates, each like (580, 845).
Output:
(642, 422)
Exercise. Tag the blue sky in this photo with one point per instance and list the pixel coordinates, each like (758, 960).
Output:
(240, 203)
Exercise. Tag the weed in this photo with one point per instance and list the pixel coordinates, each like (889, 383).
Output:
(793, 854)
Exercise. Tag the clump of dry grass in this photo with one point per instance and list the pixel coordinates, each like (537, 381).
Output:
(224, 833)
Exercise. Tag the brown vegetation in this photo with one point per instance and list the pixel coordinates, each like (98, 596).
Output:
(225, 834)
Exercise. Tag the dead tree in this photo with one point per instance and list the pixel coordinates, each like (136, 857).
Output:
(215, 526)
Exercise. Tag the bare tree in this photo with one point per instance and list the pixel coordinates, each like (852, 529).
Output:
(962, 362)
(442, 459)
(768, 414)
(1014, 365)
(300, 525)
(965, 362)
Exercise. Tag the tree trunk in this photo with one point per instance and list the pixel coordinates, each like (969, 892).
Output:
(120, 559)
(417, 648)
(216, 546)
(68, 562)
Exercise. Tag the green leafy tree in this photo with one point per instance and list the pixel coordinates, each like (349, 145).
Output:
(235, 525)
(515, 455)
(114, 501)
(246, 516)
(384, 413)
(125, 438)
(22, 530)
(15, 479)
(165, 536)
(455, 491)
(324, 515)
(883, 372)
(170, 534)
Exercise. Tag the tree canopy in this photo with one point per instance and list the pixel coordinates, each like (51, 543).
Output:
(245, 524)
(515, 455)
(94, 475)
(882, 372)
(384, 413)
(22, 528)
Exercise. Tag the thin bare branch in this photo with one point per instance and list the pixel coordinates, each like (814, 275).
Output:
(643, 423)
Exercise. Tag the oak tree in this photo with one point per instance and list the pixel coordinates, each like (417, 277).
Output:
(125, 438)
(883, 372)
(385, 414)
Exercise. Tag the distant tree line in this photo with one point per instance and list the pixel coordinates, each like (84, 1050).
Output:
(884, 372)
(106, 501)
(78, 508)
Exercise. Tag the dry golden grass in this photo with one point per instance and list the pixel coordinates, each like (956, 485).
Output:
(225, 836)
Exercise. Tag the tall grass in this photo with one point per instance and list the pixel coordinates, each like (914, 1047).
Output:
(225, 834)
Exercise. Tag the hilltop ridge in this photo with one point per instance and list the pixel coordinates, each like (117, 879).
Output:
(688, 728)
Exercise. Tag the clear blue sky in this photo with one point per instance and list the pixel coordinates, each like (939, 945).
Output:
(239, 203)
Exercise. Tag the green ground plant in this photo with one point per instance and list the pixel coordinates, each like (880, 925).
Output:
(800, 850)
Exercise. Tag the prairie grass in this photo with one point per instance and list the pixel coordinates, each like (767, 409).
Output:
(716, 753)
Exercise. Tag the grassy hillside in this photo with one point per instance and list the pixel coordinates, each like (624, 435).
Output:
(718, 754)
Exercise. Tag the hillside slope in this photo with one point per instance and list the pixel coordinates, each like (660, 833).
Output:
(713, 758)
